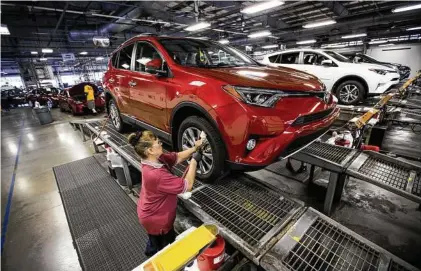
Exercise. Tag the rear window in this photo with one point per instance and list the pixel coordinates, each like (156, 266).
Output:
(125, 58)
(114, 59)
(289, 58)
(274, 59)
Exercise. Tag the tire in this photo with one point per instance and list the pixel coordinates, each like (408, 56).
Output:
(217, 169)
(350, 92)
(115, 117)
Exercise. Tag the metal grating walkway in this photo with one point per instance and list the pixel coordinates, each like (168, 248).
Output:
(389, 173)
(102, 218)
(394, 266)
(329, 152)
(249, 211)
(416, 188)
(326, 248)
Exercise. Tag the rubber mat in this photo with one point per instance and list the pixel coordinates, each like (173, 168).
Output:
(102, 218)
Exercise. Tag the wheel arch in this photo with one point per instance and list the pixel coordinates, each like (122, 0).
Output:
(351, 77)
(187, 109)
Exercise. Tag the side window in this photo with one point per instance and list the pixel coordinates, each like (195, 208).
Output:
(125, 57)
(274, 59)
(289, 58)
(309, 58)
(114, 59)
(144, 53)
(320, 59)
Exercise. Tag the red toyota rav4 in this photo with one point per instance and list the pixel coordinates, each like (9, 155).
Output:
(252, 115)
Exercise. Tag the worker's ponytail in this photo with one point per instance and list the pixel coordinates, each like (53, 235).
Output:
(142, 141)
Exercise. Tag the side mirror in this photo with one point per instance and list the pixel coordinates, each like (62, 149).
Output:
(154, 67)
(327, 62)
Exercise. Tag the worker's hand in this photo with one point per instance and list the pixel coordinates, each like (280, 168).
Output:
(197, 156)
(198, 143)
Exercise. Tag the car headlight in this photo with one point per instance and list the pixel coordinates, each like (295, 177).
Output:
(260, 96)
(379, 71)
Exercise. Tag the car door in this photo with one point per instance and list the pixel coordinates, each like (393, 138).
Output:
(148, 91)
(312, 63)
(122, 75)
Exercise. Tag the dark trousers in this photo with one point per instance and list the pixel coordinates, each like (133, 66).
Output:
(158, 242)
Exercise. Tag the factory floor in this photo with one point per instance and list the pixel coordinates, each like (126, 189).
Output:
(37, 236)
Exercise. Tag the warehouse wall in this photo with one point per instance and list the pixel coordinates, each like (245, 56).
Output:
(409, 57)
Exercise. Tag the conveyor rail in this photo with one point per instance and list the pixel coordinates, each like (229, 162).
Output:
(271, 229)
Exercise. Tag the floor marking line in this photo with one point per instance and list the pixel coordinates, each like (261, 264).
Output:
(10, 195)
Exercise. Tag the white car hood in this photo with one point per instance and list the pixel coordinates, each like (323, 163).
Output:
(368, 66)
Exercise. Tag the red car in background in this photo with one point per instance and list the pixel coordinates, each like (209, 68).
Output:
(43, 94)
(74, 99)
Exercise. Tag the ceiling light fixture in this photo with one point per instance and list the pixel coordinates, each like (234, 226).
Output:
(354, 36)
(99, 58)
(306, 42)
(260, 34)
(4, 30)
(198, 26)
(261, 7)
(84, 53)
(43, 59)
(377, 41)
(406, 8)
(389, 44)
(34, 52)
(318, 24)
(224, 41)
(47, 50)
(414, 28)
(270, 46)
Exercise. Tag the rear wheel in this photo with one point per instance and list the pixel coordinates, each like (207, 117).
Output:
(212, 165)
(350, 92)
(115, 116)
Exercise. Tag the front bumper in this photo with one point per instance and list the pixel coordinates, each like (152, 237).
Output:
(293, 139)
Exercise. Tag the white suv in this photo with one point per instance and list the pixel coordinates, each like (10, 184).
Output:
(351, 82)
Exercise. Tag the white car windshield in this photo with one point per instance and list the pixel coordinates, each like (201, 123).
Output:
(205, 54)
(338, 57)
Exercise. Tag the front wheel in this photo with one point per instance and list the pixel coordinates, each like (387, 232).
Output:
(212, 165)
(350, 92)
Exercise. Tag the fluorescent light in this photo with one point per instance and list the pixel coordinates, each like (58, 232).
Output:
(306, 41)
(318, 24)
(83, 53)
(99, 58)
(259, 34)
(34, 52)
(4, 30)
(414, 28)
(224, 41)
(354, 36)
(406, 8)
(389, 44)
(377, 41)
(43, 59)
(198, 26)
(261, 6)
(47, 50)
(270, 46)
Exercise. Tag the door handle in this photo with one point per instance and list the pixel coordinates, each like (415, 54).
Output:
(132, 83)
(111, 80)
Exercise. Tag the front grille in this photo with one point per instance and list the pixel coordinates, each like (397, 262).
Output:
(329, 152)
(394, 266)
(247, 210)
(301, 142)
(312, 117)
(416, 188)
(325, 247)
(386, 172)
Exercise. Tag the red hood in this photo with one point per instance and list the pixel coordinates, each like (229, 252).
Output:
(264, 77)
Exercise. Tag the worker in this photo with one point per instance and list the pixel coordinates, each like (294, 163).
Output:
(90, 98)
(157, 203)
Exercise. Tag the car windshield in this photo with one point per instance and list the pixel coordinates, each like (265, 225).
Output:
(338, 57)
(205, 54)
(370, 58)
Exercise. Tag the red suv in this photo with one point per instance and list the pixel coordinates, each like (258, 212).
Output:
(253, 115)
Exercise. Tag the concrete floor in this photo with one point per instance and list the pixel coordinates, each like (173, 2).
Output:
(37, 236)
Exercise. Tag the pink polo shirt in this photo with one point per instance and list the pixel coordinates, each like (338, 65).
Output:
(158, 198)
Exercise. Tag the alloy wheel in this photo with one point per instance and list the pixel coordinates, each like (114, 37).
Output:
(190, 135)
(349, 93)
(115, 116)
